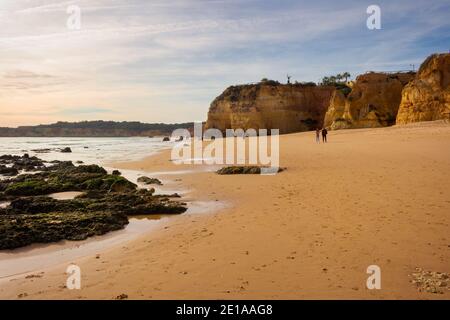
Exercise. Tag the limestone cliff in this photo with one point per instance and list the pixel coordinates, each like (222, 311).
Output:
(427, 97)
(270, 105)
(373, 101)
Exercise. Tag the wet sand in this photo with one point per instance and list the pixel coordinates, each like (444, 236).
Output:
(369, 196)
(38, 257)
(68, 195)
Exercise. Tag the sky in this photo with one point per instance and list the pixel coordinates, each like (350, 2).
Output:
(166, 60)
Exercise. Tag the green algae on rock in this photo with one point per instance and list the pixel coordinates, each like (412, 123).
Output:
(147, 180)
(244, 170)
(19, 230)
(105, 204)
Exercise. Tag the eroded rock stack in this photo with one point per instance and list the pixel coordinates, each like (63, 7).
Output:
(373, 101)
(270, 105)
(427, 97)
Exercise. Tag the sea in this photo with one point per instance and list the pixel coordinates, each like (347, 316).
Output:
(89, 150)
(104, 152)
(101, 151)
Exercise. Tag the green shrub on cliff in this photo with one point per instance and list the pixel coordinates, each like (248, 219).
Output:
(269, 82)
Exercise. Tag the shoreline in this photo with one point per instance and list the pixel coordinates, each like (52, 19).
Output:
(62, 252)
(309, 232)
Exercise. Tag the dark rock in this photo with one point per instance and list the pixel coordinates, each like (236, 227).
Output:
(28, 164)
(92, 168)
(33, 187)
(59, 165)
(21, 230)
(144, 192)
(242, 170)
(46, 150)
(107, 200)
(165, 139)
(24, 162)
(66, 150)
(116, 173)
(132, 203)
(40, 204)
(121, 185)
(8, 157)
(147, 180)
(8, 171)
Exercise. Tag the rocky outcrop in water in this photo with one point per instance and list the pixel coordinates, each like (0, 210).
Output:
(427, 97)
(270, 105)
(147, 180)
(373, 101)
(107, 200)
(18, 163)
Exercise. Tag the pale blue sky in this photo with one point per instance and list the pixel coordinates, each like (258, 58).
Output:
(165, 61)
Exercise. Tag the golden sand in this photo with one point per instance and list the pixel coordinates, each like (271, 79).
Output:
(368, 197)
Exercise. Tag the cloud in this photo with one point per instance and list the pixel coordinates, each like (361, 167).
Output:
(24, 74)
(25, 80)
(84, 110)
(160, 59)
(56, 6)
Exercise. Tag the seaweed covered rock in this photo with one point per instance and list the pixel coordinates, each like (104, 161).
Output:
(21, 230)
(147, 180)
(8, 171)
(33, 186)
(244, 170)
(107, 199)
(132, 203)
(66, 177)
(11, 165)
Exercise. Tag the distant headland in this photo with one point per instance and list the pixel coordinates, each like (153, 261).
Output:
(94, 129)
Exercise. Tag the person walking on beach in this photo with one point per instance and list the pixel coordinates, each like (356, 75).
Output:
(318, 135)
(324, 135)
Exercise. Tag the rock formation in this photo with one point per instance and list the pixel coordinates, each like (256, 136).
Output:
(270, 105)
(373, 101)
(427, 97)
(31, 215)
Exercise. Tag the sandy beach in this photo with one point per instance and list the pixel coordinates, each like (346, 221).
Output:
(368, 197)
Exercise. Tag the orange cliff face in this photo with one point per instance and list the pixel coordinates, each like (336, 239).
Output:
(373, 101)
(427, 97)
(270, 105)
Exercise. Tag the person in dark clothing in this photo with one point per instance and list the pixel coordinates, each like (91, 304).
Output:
(324, 135)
